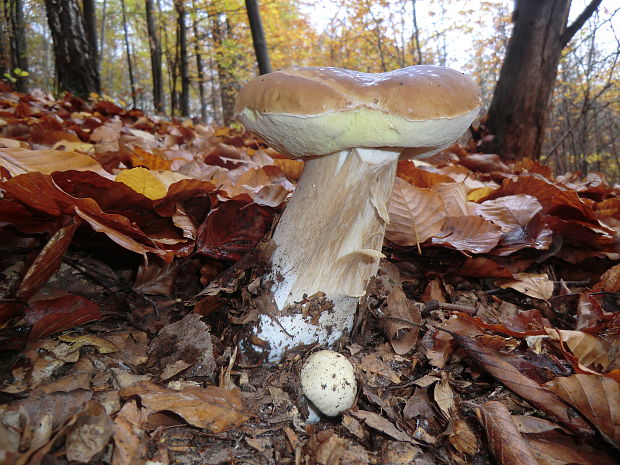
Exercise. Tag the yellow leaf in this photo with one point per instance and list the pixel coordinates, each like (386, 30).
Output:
(73, 146)
(480, 193)
(222, 132)
(142, 181)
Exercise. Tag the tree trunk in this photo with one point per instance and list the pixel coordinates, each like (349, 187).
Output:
(14, 17)
(520, 104)
(258, 37)
(182, 28)
(200, 67)
(228, 88)
(76, 64)
(155, 47)
(90, 25)
(416, 35)
(132, 82)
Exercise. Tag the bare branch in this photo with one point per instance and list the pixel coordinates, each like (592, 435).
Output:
(579, 22)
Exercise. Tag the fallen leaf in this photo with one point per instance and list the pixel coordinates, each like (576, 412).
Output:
(415, 214)
(591, 351)
(130, 435)
(454, 196)
(20, 161)
(537, 395)
(187, 340)
(212, 408)
(142, 181)
(55, 315)
(538, 286)
(380, 423)
(596, 397)
(505, 441)
(89, 434)
(509, 212)
(399, 322)
(469, 233)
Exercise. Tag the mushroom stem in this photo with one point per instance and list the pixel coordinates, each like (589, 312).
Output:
(328, 240)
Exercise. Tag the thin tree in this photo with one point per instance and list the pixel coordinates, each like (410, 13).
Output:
(14, 16)
(202, 84)
(155, 48)
(226, 79)
(518, 111)
(128, 50)
(184, 62)
(416, 34)
(76, 63)
(258, 37)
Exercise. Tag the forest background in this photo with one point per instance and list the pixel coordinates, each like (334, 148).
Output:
(188, 58)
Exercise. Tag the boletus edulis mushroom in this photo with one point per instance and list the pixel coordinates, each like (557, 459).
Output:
(350, 128)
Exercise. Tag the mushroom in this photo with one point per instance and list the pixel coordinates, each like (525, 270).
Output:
(328, 382)
(350, 127)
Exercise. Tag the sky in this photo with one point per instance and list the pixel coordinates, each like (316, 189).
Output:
(322, 12)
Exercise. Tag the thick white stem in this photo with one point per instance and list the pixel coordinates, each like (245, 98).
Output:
(328, 241)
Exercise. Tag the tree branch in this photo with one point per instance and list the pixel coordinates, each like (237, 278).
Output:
(571, 30)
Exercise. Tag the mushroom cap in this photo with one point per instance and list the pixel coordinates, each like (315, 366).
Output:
(316, 111)
(328, 381)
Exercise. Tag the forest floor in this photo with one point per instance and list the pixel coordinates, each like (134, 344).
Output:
(130, 275)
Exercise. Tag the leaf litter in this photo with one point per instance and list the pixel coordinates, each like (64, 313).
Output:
(133, 249)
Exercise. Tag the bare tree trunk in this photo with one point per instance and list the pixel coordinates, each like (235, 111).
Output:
(76, 64)
(258, 37)
(128, 50)
(102, 33)
(200, 67)
(155, 47)
(90, 25)
(182, 28)
(226, 79)
(416, 33)
(16, 43)
(520, 104)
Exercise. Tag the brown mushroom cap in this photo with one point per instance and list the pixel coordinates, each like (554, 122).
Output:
(317, 111)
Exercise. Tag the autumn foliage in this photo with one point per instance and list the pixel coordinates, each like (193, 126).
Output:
(512, 273)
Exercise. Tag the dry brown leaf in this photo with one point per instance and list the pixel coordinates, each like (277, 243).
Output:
(610, 280)
(540, 396)
(462, 437)
(565, 450)
(212, 408)
(444, 397)
(505, 441)
(454, 196)
(330, 451)
(90, 433)
(469, 233)
(591, 351)
(596, 397)
(380, 423)
(420, 177)
(401, 317)
(183, 346)
(538, 286)
(19, 161)
(415, 214)
(510, 212)
(130, 435)
(372, 363)
(292, 169)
